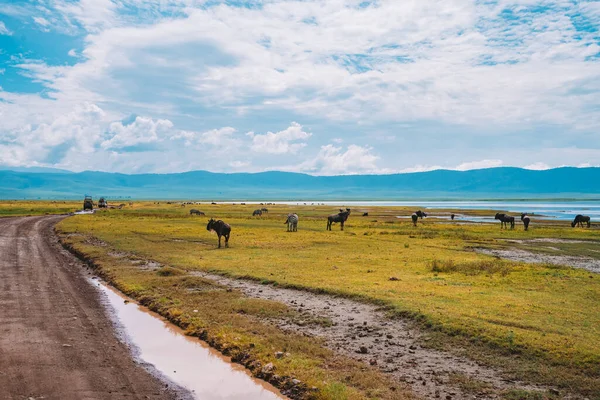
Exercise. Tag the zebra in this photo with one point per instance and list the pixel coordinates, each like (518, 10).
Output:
(221, 228)
(292, 222)
(340, 217)
(580, 220)
(257, 212)
(526, 220)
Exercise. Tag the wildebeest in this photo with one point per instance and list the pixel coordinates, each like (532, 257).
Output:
(257, 212)
(292, 222)
(193, 211)
(420, 214)
(265, 210)
(504, 220)
(221, 229)
(580, 220)
(365, 214)
(526, 220)
(340, 217)
(414, 218)
(452, 217)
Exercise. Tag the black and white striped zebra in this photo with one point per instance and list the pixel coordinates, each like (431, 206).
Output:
(292, 222)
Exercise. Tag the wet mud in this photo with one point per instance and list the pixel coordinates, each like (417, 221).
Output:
(364, 332)
(587, 263)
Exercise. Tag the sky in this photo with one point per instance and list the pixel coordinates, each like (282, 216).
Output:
(324, 87)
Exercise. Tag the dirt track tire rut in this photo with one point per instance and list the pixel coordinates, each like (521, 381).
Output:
(56, 339)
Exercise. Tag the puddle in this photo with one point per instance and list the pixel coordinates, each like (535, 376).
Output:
(186, 361)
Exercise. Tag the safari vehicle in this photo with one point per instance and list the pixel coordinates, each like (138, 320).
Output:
(88, 203)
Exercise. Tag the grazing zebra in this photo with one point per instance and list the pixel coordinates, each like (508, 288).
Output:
(292, 222)
(221, 228)
(340, 217)
(414, 218)
(193, 211)
(256, 212)
(420, 214)
(504, 220)
(526, 220)
(580, 220)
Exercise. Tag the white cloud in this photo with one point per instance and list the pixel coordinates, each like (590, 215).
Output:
(333, 160)
(41, 21)
(239, 164)
(281, 142)
(4, 30)
(388, 68)
(140, 132)
(538, 166)
(222, 137)
(419, 168)
(79, 129)
(478, 165)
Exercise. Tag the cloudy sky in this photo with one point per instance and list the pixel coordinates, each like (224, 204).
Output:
(315, 86)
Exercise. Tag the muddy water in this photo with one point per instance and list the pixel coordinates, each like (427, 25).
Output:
(185, 361)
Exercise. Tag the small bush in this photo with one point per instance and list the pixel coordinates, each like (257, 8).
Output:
(169, 271)
(470, 267)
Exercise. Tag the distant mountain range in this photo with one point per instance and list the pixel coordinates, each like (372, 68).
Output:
(492, 183)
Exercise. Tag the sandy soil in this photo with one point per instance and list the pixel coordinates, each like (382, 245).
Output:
(56, 341)
(363, 332)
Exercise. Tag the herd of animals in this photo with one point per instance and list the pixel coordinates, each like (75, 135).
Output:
(223, 229)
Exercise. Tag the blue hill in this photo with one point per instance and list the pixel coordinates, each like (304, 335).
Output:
(498, 183)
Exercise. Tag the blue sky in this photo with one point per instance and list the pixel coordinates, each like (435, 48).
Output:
(315, 86)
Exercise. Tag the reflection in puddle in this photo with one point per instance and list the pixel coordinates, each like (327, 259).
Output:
(186, 361)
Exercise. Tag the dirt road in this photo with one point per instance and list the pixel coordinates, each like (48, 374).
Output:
(56, 341)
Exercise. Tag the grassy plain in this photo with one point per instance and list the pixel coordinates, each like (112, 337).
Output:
(540, 321)
(14, 208)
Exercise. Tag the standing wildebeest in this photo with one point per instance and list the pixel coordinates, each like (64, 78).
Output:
(420, 214)
(365, 214)
(257, 212)
(221, 228)
(292, 222)
(265, 210)
(340, 217)
(526, 220)
(505, 219)
(580, 220)
(452, 217)
(193, 211)
(414, 218)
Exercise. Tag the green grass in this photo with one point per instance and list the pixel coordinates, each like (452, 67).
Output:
(15, 208)
(546, 315)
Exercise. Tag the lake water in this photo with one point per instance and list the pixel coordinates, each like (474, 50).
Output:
(562, 210)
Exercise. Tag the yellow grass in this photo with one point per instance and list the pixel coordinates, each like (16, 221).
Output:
(551, 313)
